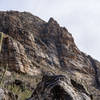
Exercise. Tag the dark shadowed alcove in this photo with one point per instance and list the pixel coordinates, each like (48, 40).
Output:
(59, 93)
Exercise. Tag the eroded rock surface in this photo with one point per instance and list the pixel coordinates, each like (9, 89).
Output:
(33, 46)
(59, 87)
(5, 95)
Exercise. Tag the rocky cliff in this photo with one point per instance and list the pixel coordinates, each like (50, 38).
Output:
(34, 47)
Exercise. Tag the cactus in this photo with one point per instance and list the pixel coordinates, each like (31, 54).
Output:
(1, 39)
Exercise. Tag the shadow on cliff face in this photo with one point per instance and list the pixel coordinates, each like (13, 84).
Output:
(94, 65)
(59, 87)
(58, 93)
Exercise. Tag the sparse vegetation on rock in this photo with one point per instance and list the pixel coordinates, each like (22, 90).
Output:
(33, 48)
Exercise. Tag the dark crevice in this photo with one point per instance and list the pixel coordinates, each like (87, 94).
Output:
(80, 88)
(60, 51)
(95, 69)
(77, 85)
(5, 51)
(59, 94)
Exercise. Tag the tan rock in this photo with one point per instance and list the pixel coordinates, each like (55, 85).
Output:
(33, 46)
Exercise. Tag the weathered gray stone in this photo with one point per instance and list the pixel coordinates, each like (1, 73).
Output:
(58, 87)
(5, 95)
(33, 46)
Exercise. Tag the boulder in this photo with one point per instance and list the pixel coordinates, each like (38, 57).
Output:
(59, 87)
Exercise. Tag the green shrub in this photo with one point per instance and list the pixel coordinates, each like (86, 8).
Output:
(22, 95)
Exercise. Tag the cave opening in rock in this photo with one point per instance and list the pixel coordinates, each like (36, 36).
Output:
(58, 93)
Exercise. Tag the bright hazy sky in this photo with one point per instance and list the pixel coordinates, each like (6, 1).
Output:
(80, 17)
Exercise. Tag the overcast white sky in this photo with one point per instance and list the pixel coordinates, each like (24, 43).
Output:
(80, 17)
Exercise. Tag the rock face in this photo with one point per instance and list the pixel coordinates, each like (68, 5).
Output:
(33, 46)
(5, 95)
(59, 87)
(29, 40)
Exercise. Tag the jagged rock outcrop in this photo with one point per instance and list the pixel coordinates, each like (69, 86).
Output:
(59, 87)
(33, 46)
(33, 40)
